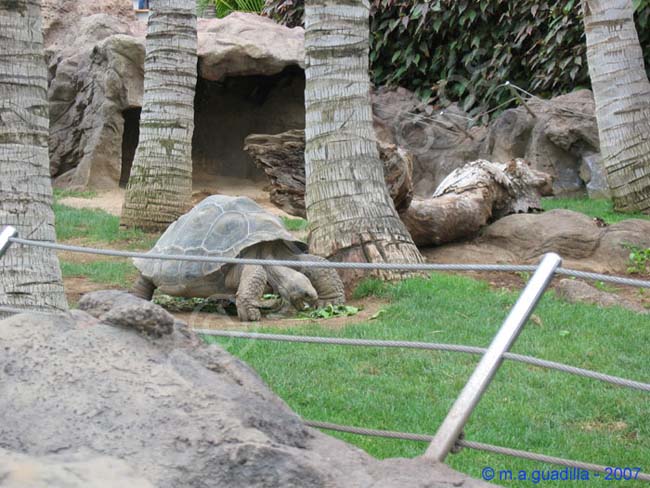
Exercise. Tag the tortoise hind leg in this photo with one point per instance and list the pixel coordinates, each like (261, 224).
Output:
(143, 288)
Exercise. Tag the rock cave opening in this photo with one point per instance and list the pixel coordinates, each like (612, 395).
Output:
(225, 112)
(130, 138)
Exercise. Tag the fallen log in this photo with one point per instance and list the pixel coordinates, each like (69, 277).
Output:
(473, 196)
(467, 199)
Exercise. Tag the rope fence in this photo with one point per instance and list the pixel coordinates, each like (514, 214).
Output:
(431, 346)
(478, 446)
(449, 437)
(333, 265)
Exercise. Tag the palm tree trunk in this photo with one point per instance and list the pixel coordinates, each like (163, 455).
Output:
(622, 94)
(30, 278)
(160, 185)
(351, 214)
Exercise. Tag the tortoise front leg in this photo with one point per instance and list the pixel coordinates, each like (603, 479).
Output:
(251, 288)
(143, 288)
(326, 281)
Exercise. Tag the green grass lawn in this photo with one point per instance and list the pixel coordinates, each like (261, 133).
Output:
(594, 208)
(411, 391)
(112, 272)
(525, 408)
(93, 227)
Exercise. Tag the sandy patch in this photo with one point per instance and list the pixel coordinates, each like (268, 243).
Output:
(111, 201)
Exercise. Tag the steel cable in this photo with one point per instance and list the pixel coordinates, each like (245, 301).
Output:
(473, 445)
(333, 265)
(615, 380)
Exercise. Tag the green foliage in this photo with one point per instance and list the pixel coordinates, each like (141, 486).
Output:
(181, 304)
(464, 50)
(59, 193)
(371, 287)
(295, 224)
(639, 259)
(114, 272)
(96, 226)
(226, 7)
(287, 12)
(411, 391)
(330, 312)
(602, 209)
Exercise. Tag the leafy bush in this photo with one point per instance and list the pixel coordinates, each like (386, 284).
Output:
(450, 50)
(225, 7)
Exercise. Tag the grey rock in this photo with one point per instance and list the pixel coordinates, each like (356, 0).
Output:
(125, 310)
(245, 44)
(88, 95)
(576, 291)
(70, 470)
(180, 413)
(61, 18)
(583, 242)
(557, 140)
(440, 143)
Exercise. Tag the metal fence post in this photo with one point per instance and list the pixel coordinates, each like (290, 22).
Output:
(7, 233)
(451, 428)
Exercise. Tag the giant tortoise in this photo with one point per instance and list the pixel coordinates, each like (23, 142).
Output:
(226, 226)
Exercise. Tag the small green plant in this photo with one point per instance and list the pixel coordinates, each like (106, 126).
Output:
(226, 7)
(330, 312)
(638, 259)
(602, 286)
(524, 275)
(370, 287)
(180, 304)
(59, 193)
(295, 225)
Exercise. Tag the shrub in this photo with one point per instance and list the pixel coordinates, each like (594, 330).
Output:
(226, 7)
(464, 50)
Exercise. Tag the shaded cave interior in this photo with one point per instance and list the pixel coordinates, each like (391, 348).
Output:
(225, 113)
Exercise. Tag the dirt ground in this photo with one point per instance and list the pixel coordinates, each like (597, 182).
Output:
(111, 202)
(370, 307)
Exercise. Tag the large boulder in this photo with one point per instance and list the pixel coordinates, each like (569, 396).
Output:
(560, 139)
(62, 17)
(440, 142)
(178, 412)
(68, 470)
(246, 44)
(583, 242)
(90, 90)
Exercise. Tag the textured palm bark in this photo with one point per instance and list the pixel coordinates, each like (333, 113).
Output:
(622, 94)
(282, 158)
(160, 185)
(351, 215)
(30, 277)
